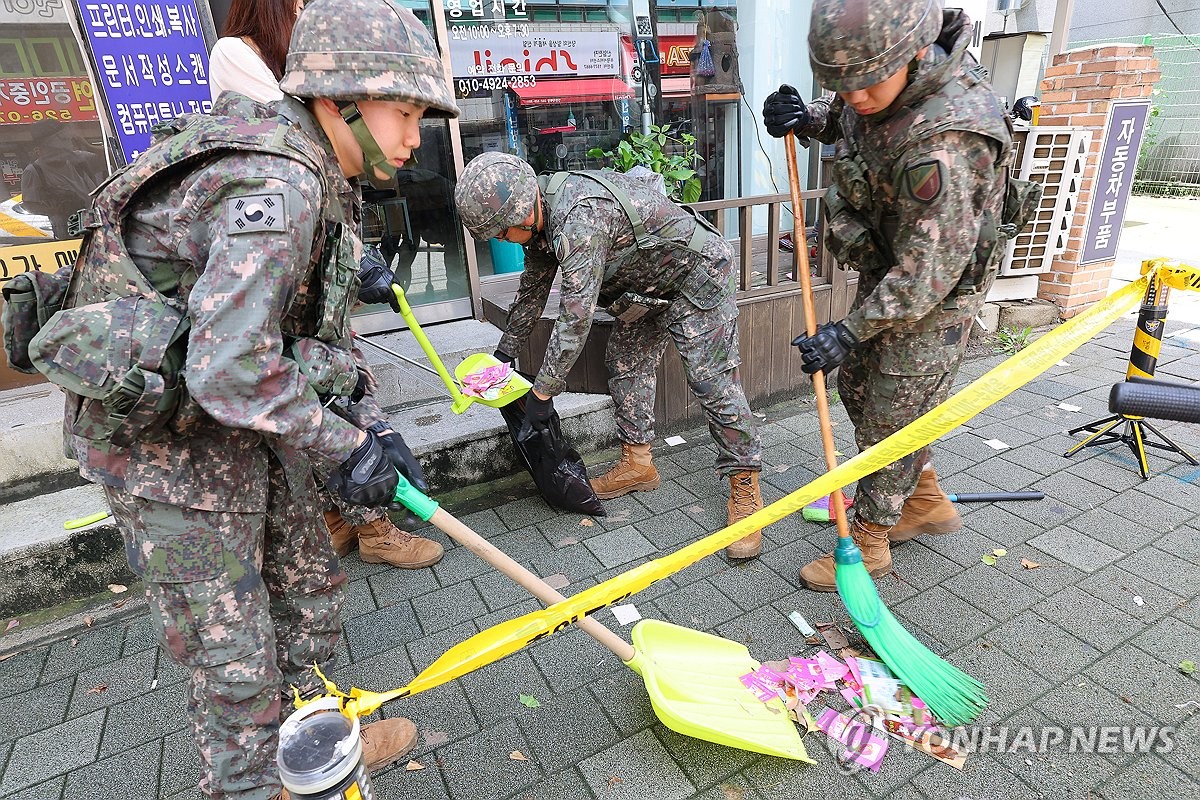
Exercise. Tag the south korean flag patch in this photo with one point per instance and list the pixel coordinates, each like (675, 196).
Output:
(256, 213)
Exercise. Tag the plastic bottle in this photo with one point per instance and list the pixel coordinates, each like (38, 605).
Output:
(320, 755)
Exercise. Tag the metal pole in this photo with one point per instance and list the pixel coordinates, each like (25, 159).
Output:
(1062, 26)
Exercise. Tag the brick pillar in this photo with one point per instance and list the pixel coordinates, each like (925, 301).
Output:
(1077, 90)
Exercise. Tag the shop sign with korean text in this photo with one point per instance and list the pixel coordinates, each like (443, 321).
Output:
(488, 56)
(151, 63)
(1123, 134)
(29, 100)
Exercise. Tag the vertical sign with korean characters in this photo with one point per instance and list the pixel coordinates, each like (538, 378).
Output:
(1114, 179)
(151, 63)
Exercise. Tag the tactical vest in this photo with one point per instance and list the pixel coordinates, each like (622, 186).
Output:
(693, 280)
(866, 182)
(120, 339)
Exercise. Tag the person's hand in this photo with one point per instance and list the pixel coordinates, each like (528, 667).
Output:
(784, 111)
(376, 279)
(505, 358)
(538, 411)
(367, 477)
(401, 457)
(826, 349)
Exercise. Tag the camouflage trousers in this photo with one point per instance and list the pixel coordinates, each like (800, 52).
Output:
(355, 515)
(707, 342)
(247, 603)
(886, 383)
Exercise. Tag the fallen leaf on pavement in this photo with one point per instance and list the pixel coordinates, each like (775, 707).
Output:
(613, 780)
(413, 766)
(530, 701)
(990, 560)
(567, 542)
(12, 623)
(558, 581)
(1000, 552)
(587, 523)
(517, 755)
(731, 792)
(74, 642)
(848, 652)
(98, 688)
(782, 467)
(120, 603)
(1027, 564)
(88, 621)
(434, 738)
(834, 638)
(1187, 667)
(117, 588)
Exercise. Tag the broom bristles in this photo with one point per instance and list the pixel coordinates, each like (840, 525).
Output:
(953, 696)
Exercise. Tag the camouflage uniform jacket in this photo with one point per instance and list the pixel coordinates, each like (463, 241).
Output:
(585, 234)
(248, 283)
(928, 178)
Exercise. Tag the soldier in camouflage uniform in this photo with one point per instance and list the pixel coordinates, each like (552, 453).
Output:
(916, 204)
(254, 242)
(661, 271)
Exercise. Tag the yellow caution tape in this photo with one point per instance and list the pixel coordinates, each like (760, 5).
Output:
(508, 637)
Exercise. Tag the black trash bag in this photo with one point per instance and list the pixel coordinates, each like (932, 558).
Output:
(557, 468)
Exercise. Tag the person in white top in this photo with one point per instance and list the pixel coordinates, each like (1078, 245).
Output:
(249, 57)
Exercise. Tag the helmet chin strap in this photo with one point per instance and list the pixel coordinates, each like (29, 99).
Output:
(373, 157)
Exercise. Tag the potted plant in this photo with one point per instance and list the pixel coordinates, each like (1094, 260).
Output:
(649, 150)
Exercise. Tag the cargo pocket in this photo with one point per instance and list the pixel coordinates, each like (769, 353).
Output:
(931, 352)
(202, 594)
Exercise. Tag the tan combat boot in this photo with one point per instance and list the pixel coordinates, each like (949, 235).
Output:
(872, 540)
(387, 741)
(635, 472)
(381, 542)
(928, 510)
(744, 500)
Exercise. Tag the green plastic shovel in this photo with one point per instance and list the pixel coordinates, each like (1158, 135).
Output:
(514, 388)
(693, 678)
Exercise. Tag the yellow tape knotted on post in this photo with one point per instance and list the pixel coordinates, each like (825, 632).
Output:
(507, 637)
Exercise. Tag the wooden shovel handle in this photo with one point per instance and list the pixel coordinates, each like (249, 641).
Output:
(800, 244)
(543, 591)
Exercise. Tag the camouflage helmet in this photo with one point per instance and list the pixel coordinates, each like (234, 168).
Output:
(853, 44)
(348, 50)
(496, 191)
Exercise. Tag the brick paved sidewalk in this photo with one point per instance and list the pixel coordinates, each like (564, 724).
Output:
(1061, 645)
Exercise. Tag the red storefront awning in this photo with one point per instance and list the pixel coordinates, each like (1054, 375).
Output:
(549, 92)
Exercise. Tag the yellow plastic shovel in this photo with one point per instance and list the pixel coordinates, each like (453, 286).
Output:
(693, 678)
(515, 387)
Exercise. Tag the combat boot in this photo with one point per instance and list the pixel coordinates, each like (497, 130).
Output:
(381, 542)
(635, 472)
(928, 510)
(387, 741)
(744, 500)
(872, 540)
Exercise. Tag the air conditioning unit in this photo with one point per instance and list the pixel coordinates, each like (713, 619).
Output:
(1009, 6)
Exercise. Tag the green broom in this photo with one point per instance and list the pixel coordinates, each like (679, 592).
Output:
(953, 696)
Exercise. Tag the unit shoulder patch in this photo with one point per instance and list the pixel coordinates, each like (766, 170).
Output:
(256, 213)
(923, 180)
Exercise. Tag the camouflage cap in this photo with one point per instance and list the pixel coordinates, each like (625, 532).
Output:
(853, 44)
(496, 191)
(366, 50)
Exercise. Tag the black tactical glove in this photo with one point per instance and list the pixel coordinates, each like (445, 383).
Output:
(360, 387)
(376, 279)
(784, 111)
(537, 416)
(826, 349)
(505, 358)
(367, 477)
(401, 457)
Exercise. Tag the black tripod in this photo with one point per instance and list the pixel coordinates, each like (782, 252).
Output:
(1147, 341)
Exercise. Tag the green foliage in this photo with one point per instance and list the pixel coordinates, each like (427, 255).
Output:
(1012, 340)
(650, 151)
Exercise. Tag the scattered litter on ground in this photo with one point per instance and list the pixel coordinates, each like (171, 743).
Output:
(1027, 564)
(996, 444)
(1069, 407)
(413, 766)
(12, 623)
(89, 621)
(801, 624)
(818, 510)
(586, 522)
(99, 688)
(529, 701)
(672, 441)
(833, 636)
(118, 588)
(1137, 599)
(517, 755)
(626, 614)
